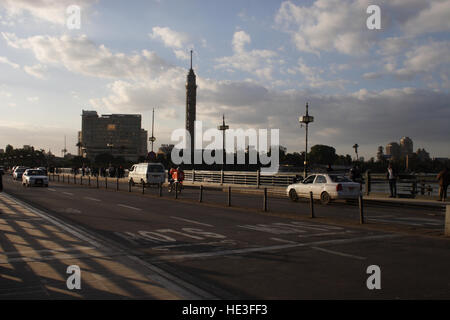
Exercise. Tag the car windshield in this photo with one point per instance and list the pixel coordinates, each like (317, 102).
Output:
(153, 168)
(336, 178)
(20, 170)
(35, 173)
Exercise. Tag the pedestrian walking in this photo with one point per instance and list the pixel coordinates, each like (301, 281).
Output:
(444, 181)
(392, 178)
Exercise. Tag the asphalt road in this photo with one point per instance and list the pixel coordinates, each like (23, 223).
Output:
(241, 252)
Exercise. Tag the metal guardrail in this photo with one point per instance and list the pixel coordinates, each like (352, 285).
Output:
(408, 186)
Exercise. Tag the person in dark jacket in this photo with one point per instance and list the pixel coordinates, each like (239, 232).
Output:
(444, 181)
(391, 175)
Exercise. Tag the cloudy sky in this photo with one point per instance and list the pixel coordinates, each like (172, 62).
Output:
(257, 61)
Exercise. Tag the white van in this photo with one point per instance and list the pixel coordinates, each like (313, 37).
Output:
(148, 173)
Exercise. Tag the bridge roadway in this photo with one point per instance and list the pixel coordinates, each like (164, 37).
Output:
(242, 252)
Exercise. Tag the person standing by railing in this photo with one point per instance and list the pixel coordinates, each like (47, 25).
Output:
(444, 181)
(392, 178)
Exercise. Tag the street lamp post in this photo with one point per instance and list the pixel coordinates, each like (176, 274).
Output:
(152, 139)
(306, 120)
(223, 128)
(355, 146)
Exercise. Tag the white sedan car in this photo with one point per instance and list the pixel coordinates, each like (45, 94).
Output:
(325, 187)
(34, 177)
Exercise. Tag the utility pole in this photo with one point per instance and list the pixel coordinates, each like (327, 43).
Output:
(223, 128)
(306, 120)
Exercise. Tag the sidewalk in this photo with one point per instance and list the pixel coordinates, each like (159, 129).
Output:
(36, 250)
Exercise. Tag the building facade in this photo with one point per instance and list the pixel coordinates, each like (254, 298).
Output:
(406, 146)
(118, 134)
(393, 150)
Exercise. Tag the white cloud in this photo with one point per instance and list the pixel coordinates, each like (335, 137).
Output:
(435, 18)
(33, 99)
(5, 60)
(258, 62)
(82, 56)
(169, 37)
(329, 25)
(37, 70)
(53, 11)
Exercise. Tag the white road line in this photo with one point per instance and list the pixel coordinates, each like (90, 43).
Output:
(324, 234)
(283, 240)
(271, 248)
(93, 199)
(68, 193)
(129, 207)
(51, 189)
(339, 253)
(192, 221)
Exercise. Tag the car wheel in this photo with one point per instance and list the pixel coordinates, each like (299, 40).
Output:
(325, 198)
(293, 195)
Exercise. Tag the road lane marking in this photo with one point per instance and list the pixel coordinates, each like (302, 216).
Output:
(192, 221)
(93, 199)
(324, 234)
(283, 240)
(272, 248)
(129, 207)
(339, 253)
(51, 189)
(68, 193)
(167, 280)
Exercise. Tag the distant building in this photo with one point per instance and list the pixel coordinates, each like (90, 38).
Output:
(406, 146)
(422, 155)
(166, 149)
(393, 150)
(118, 134)
(380, 154)
(27, 147)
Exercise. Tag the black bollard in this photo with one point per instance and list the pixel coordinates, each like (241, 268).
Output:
(200, 199)
(311, 204)
(229, 196)
(361, 209)
(265, 200)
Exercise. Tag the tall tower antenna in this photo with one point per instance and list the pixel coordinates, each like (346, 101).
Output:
(152, 139)
(191, 97)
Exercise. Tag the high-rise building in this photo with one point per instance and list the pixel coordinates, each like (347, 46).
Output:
(393, 150)
(191, 100)
(118, 134)
(406, 146)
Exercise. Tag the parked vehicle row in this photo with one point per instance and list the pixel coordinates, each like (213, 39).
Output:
(30, 176)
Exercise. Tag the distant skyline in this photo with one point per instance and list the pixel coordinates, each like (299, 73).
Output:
(257, 62)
